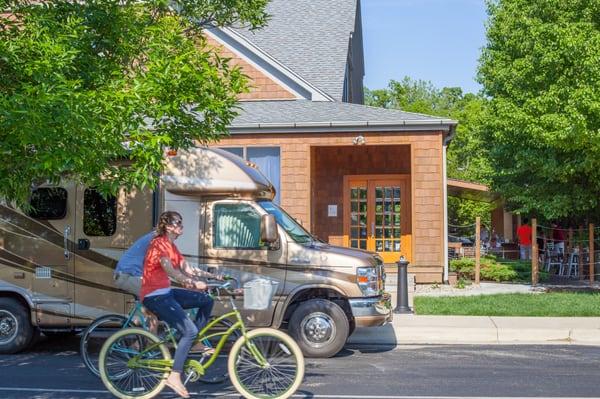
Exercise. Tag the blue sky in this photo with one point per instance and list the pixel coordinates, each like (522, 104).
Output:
(435, 40)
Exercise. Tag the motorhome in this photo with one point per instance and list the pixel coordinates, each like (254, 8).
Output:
(57, 259)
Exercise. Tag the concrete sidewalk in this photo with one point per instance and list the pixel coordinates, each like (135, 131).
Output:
(413, 329)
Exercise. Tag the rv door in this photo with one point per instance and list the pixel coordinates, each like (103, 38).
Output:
(107, 225)
(49, 252)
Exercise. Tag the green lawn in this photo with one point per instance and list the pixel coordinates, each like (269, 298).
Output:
(543, 304)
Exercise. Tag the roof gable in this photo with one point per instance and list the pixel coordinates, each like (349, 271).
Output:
(310, 37)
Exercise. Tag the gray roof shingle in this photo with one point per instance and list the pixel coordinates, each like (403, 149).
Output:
(303, 114)
(311, 38)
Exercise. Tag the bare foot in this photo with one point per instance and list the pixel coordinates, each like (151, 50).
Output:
(174, 382)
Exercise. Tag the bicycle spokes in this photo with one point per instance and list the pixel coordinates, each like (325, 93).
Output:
(135, 364)
(266, 366)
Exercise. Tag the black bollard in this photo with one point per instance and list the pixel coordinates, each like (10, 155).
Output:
(402, 289)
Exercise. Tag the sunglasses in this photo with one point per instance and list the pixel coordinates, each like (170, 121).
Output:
(177, 223)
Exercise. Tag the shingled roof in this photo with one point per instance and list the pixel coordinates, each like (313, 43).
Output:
(304, 115)
(311, 38)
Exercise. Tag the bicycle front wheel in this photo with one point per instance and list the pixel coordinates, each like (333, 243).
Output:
(266, 364)
(134, 363)
(94, 337)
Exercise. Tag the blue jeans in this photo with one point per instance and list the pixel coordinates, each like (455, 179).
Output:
(170, 309)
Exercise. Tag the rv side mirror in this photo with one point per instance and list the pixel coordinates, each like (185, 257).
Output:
(268, 229)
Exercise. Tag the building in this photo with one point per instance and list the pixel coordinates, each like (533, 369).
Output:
(354, 175)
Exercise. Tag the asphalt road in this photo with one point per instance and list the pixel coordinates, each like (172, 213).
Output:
(52, 369)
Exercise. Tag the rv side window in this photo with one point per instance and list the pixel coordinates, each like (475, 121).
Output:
(236, 226)
(48, 203)
(99, 214)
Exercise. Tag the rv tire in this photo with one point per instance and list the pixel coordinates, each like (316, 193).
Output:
(320, 327)
(16, 330)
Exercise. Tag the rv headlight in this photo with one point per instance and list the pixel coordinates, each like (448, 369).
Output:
(367, 280)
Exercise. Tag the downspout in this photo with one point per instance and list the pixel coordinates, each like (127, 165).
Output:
(445, 201)
(445, 144)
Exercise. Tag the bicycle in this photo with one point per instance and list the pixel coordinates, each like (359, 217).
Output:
(263, 363)
(94, 336)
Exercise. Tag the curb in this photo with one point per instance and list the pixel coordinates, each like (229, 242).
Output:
(412, 329)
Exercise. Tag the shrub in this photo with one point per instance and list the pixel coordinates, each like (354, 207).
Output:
(492, 270)
(497, 272)
(464, 267)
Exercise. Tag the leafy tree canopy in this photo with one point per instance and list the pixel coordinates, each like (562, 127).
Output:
(467, 153)
(86, 83)
(541, 71)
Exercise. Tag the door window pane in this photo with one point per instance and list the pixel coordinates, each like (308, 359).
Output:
(236, 226)
(268, 161)
(99, 214)
(48, 203)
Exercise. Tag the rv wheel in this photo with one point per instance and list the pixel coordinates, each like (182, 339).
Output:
(320, 327)
(16, 330)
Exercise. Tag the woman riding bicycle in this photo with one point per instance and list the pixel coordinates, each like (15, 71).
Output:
(163, 260)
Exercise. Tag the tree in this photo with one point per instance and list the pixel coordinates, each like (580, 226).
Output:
(95, 91)
(467, 153)
(541, 70)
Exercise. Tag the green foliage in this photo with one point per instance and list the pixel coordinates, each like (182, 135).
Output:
(81, 79)
(490, 269)
(467, 153)
(462, 283)
(541, 71)
(493, 269)
(566, 304)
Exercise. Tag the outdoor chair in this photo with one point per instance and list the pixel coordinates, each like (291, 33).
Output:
(553, 258)
(572, 267)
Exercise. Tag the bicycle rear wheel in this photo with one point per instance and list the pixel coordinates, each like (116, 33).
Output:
(126, 378)
(277, 375)
(94, 337)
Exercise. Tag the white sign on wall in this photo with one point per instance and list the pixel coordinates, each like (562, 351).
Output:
(332, 210)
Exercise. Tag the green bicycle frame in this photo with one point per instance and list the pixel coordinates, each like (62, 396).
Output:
(167, 365)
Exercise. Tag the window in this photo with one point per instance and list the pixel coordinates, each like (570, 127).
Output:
(268, 160)
(48, 203)
(236, 226)
(99, 214)
(239, 151)
(296, 231)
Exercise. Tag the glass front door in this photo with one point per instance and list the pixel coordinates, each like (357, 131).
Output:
(375, 218)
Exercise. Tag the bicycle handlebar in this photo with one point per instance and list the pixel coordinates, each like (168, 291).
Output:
(226, 286)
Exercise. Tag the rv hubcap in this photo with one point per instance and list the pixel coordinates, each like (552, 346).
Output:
(8, 326)
(318, 329)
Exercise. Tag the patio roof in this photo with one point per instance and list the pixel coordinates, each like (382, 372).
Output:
(472, 191)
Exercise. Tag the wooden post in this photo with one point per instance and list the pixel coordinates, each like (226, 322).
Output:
(591, 249)
(477, 249)
(534, 253)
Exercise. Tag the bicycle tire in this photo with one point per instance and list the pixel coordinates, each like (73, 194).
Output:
(279, 350)
(94, 336)
(116, 352)
(217, 372)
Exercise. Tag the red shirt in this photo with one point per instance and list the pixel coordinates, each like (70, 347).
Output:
(154, 276)
(524, 232)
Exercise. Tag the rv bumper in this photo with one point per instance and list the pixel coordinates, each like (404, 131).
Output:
(372, 312)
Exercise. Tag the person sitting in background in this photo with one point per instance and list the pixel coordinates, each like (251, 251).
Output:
(558, 235)
(524, 234)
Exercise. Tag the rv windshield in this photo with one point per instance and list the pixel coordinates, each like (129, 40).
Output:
(297, 232)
